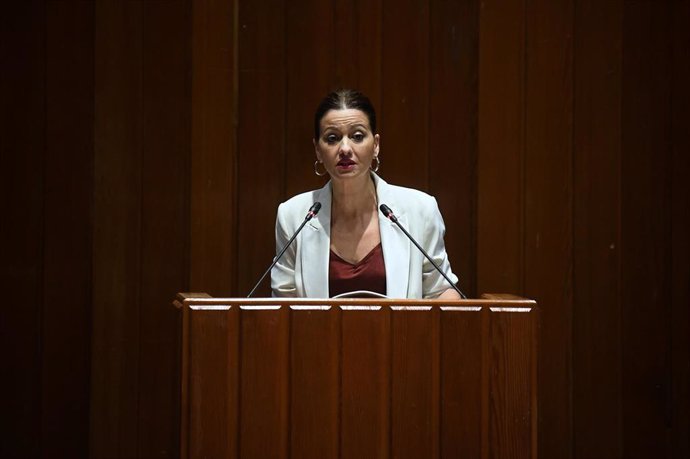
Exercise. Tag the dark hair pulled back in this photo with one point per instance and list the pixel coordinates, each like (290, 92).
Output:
(343, 99)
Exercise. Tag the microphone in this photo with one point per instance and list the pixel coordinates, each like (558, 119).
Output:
(388, 213)
(313, 210)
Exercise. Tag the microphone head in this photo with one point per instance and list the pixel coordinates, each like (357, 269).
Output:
(387, 212)
(313, 210)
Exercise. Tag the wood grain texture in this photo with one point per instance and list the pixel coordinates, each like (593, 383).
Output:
(679, 396)
(67, 244)
(265, 383)
(165, 214)
(213, 357)
(376, 381)
(453, 99)
(646, 218)
(213, 180)
(548, 210)
(309, 69)
(314, 384)
(261, 137)
(358, 66)
(405, 93)
(512, 419)
(500, 149)
(597, 374)
(462, 415)
(22, 153)
(365, 384)
(415, 396)
(117, 230)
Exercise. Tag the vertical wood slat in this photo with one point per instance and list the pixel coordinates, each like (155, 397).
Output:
(265, 384)
(548, 209)
(315, 383)
(597, 346)
(22, 153)
(213, 140)
(345, 14)
(500, 146)
(309, 64)
(512, 341)
(116, 229)
(405, 93)
(185, 380)
(679, 396)
(645, 223)
(357, 37)
(365, 384)
(415, 380)
(212, 388)
(261, 134)
(165, 213)
(462, 366)
(67, 197)
(453, 84)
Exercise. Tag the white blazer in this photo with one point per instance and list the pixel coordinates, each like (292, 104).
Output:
(303, 269)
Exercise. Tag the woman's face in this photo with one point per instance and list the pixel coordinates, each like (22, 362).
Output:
(346, 145)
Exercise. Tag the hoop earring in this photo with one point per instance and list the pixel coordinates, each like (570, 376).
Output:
(316, 168)
(378, 163)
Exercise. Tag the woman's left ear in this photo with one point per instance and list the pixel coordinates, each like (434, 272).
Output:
(316, 149)
(377, 143)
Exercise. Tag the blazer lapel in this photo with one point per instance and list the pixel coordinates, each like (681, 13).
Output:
(395, 245)
(316, 246)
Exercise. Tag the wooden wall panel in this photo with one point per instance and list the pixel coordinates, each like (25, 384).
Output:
(374, 373)
(261, 138)
(165, 213)
(366, 373)
(22, 153)
(645, 229)
(314, 382)
(679, 395)
(309, 70)
(220, 330)
(548, 210)
(452, 150)
(405, 93)
(463, 412)
(500, 149)
(213, 164)
(67, 198)
(264, 357)
(597, 373)
(415, 394)
(357, 57)
(513, 333)
(117, 229)
(597, 376)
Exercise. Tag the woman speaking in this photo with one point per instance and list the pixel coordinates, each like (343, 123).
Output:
(350, 246)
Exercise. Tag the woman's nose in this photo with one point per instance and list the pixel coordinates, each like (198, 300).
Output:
(345, 145)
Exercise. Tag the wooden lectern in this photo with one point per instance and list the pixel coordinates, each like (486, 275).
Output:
(358, 378)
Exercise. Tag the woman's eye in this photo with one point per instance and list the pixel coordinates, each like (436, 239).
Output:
(331, 139)
(358, 137)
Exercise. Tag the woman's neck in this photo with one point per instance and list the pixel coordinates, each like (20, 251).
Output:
(352, 198)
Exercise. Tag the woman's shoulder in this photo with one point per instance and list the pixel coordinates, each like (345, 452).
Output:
(413, 200)
(301, 202)
(411, 193)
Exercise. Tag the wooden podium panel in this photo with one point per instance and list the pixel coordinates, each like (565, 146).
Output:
(270, 378)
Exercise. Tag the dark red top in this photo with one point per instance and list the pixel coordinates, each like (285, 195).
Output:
(368, 274)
